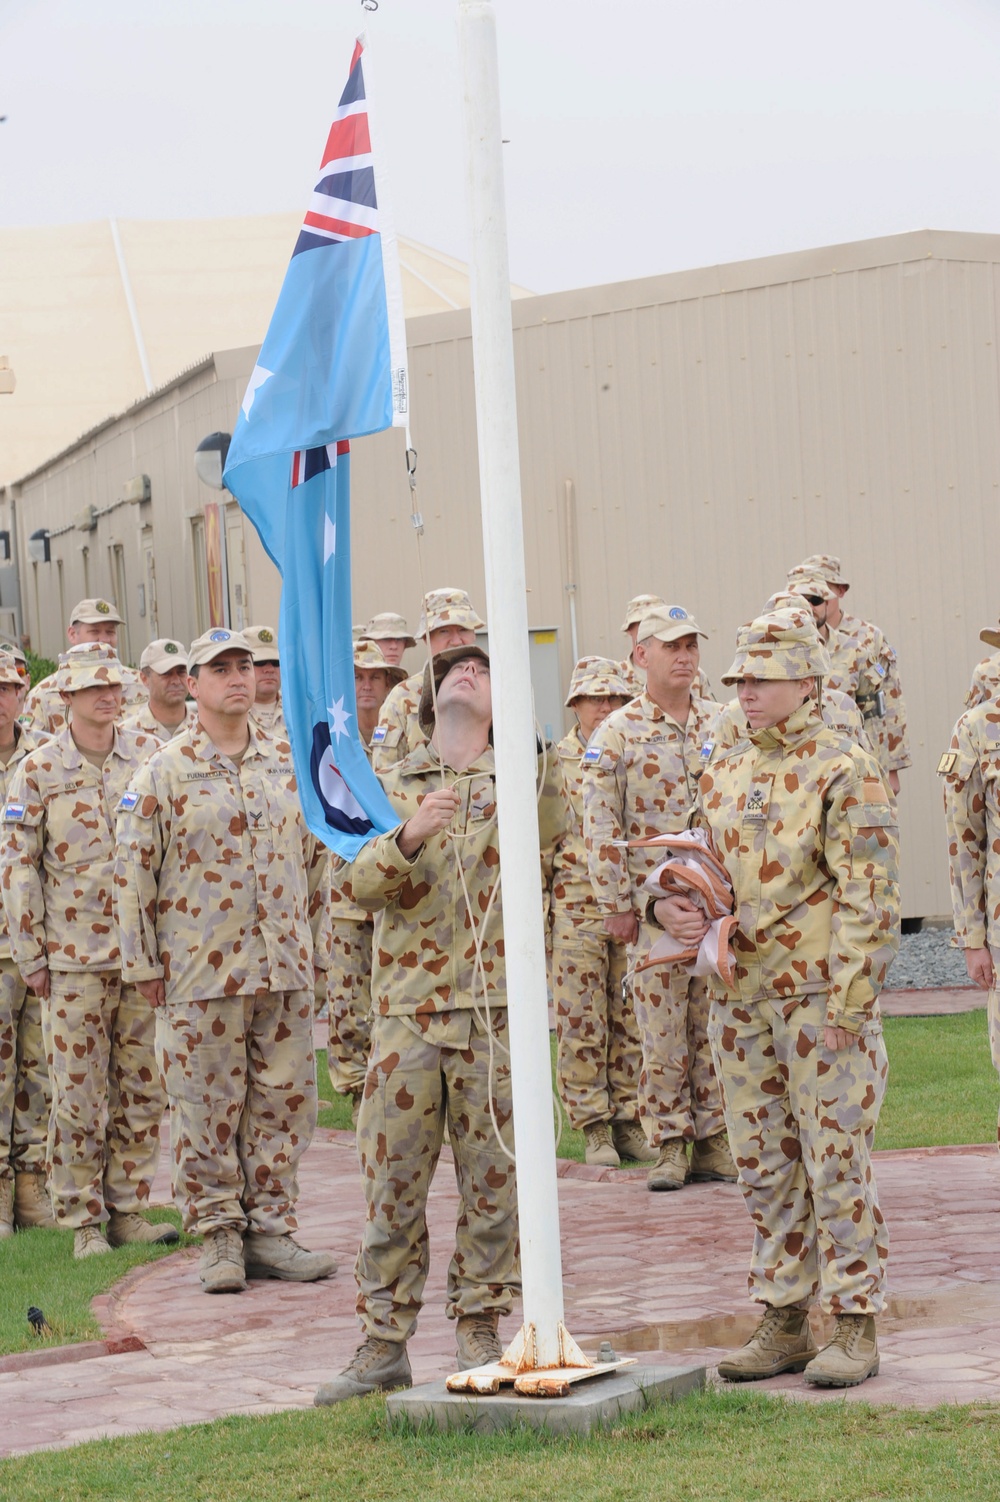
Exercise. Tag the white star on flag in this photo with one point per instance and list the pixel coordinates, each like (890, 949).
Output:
(257, 379)
(329, 538)
(339, 717)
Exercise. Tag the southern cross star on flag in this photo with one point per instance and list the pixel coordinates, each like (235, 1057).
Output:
(332, 367)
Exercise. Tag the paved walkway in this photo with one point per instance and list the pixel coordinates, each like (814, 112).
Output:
(941, 1001)
(653, 1273)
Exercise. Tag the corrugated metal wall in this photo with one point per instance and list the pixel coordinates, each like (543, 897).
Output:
(714, 427)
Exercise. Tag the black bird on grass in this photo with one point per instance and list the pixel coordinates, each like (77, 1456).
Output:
(38, 1322)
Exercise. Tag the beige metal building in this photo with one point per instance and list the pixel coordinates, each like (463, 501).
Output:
(692, 434)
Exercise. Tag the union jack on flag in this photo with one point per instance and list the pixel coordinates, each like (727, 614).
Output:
(332, 367)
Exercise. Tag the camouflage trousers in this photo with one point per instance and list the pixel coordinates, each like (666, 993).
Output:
(349, 1004)
(107, 1101)
(25, 1092)
(419, 1076)
(240, 1074)
(801, 1122)
(679, 1093)
(598, 1059)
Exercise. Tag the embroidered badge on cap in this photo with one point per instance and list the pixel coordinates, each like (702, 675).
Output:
(947, 763)
(170, 646)
(220, 636)
(102, 607)
(677, 614)
(264, 635)
(378, 734)
(128, 800)
(13, 813)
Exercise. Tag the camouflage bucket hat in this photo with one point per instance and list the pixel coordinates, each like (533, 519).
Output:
(597, 678)
(90, 664)
(387, 627)
(8, 669)
(368, 655)
(639, 606)
(783, 644)
(439, 665)
(812, 584)
(448, 607)
(823, 564)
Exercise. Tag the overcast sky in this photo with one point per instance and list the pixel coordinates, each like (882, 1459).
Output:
(644, 137)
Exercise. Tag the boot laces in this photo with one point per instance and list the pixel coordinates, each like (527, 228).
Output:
(600, 1134)
(481, 1340)
(369, 1352)
(848, 1331)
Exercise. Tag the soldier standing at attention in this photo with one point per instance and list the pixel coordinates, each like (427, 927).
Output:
(267, 711)
(91, 620)
(640, 779)
(220, 901)
(25, 1093)
(349, 978)
(803, 821)
(57, 864)
(599, 1056)
(447, 619)
(432, 1060)
(163, 672)
(390, 634)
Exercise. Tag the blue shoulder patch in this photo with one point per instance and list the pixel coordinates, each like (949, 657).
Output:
(592, 753)
(378, 734)
(13, 813)
(706, 750)
(128, 800)
(880, 669)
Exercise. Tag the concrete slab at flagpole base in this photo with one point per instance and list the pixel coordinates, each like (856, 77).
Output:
(588, 1406)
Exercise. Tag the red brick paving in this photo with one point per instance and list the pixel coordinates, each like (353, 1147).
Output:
(652, 1272)
(944, 1001)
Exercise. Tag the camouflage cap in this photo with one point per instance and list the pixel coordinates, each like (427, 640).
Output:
(93, 612)
(213, 643)
(782, 644)
(448, 607)
(368, 655)
(668, 623)
(639, 606)
(263, 641)
(824, 564)
(812, 584)
(440, 665)
(387, 627)
(9, 672)
(597, 678)
(90, 664)
(163, 655)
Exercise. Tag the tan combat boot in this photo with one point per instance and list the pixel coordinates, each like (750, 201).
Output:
(630, 1141)
(32, 1206)
(670, 1170)
(221, 1267)
(6, 1208)
(599, 1150)
(89, 1241)
(377, 1366)
(478, 1341)
(782, 1342)
(125, 1226)
(850, 1357)
(712, 1160)
(281, 1257)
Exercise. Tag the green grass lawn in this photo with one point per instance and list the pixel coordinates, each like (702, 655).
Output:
(738, 1446)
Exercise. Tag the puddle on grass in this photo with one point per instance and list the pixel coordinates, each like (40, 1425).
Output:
(973, 1304)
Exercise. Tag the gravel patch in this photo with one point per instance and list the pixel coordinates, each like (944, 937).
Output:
(927, 960)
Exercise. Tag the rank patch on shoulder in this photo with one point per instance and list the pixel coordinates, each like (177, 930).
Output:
(755, 804)
(13, 813)
(947, 763)
(378, 734)
(128, 801)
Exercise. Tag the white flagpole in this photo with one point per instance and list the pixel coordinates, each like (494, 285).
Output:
(513, 716)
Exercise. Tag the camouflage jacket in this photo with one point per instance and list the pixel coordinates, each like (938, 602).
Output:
(570, 878)
(864, 665)
(271, 719)
(398, 731)
(58, 855)
(424, 949)
(985, 685)
(219, 886)
(342, 908)
(145, 720)
(971, 774)
(45, 710)
(839, 711)
(26, 741)
(806, 827)
(640, 778)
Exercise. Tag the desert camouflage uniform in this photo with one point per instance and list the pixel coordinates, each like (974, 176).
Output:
(144, 720)
(399, 730)
(599, 1057)
(971, 773)
(430, 1052)
(56, 863)
(45, 710)
(640, 778)
(840, 712)
(348, 992)
(985, 685)
(221, 890)
(806, 827)
(271, 719)
(864, 665)
(25, 1092)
